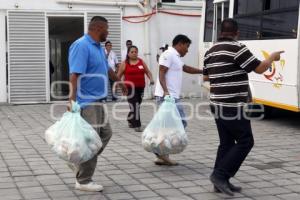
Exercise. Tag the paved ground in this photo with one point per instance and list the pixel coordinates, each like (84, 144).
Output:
(29, 170)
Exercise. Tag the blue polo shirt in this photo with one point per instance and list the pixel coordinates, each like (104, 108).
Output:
(87, 57)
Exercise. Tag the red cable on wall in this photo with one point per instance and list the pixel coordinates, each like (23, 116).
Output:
(149, 15)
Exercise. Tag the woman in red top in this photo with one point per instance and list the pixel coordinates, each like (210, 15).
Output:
(134, 70)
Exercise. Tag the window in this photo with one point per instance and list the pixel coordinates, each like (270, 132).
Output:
(279, 4)
(267, 19)
(209, 17)
(249, 27)
(248, 6)
(280, 25)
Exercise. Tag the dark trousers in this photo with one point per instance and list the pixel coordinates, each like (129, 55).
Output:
(236, 141)
(135, 97)
(96, 116)
(113, 95)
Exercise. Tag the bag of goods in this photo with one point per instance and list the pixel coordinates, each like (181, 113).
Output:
(72, 138)
(165, 133)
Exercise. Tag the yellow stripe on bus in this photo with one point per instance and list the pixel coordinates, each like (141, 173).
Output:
(276, 105)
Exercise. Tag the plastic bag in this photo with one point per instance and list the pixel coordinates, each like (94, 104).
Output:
(165, 133)
(72, 138)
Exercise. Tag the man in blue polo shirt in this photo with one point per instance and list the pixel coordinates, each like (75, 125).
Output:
(89, 73)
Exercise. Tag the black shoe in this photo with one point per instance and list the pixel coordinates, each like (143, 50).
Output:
(130, 125)
(232, 187)
(221, 185)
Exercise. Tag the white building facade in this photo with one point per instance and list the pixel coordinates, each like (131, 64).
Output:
(35, 36)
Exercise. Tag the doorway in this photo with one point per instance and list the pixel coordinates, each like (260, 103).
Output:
(63, 31)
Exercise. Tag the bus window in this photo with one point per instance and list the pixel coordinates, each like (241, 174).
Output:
(249, 28)
(209, 17)
(248, 6)
(280, 25)
(275, 19)
(279, 4)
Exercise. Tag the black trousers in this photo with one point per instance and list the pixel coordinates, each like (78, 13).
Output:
(236, 140)
(135, 97)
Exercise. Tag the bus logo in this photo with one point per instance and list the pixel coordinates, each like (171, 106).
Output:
(274, 73)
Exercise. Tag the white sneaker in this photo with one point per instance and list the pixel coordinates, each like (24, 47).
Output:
(91, 187)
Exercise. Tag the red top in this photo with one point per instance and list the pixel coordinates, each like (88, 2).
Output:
(135, 74)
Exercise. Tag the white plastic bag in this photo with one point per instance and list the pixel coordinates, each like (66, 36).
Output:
(165, 133)
(72, 138)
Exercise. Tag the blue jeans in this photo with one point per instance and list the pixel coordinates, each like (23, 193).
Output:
(180, 109)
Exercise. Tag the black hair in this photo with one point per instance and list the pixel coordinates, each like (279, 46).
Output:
(129, 48)
(107, 42)
(181, 39)
(229, 26)
(98, 18)
(128, 41)
(95, 20)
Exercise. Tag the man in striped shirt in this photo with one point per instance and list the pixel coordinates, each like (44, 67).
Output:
(226, 67)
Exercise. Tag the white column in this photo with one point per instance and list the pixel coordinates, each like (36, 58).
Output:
(3, 90)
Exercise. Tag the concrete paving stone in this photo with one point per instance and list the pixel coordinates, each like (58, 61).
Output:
(172, 178)
(13, 197)
(19, 168)
(144, 194)
(254, 192)
(113, 189)
(143, 175)
(35, 195)
(192, 190)
(181, 197)
(283, 182)
(6, 180)
(154, 198)
(278, 190)
(289, 175)
(261, 184)
(294, 188)
(135, 188)
(6, 185)
(21, 173)
(168, 192)
(4, 174)
(28, 190)
(54, 194)
(202, 182)
(162, 185)
(151, 180)
(291, 196)
(181, 184)
(94, 196)
(124, 182)
(267, 197)
(205, 196)
(119, 196)
(56, 188)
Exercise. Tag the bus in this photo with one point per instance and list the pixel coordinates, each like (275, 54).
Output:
(265, 26)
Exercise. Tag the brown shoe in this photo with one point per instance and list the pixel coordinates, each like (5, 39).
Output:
(165, 160)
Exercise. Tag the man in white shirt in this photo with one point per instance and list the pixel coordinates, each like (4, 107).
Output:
(124, 51)
(169, 81)
(113, 63)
